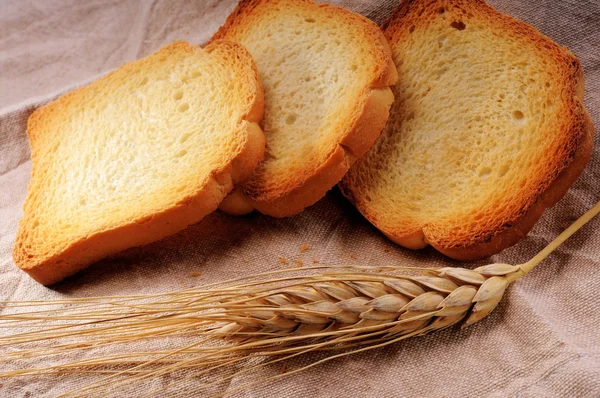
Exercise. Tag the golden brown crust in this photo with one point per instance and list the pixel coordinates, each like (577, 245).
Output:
(519, 229)
(58, 263)
(84, 251)
(508, 226)
(370, 116)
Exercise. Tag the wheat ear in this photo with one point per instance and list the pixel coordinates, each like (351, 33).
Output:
(272, 316)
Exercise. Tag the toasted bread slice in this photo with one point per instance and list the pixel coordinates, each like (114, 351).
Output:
(487, 130)
(137, 155)
(326, 73)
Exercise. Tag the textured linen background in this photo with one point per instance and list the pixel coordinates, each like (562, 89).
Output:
(542, 341)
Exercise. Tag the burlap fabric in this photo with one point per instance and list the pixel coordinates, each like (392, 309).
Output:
(542, 341)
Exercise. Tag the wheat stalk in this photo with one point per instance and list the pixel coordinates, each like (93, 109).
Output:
(272, 316)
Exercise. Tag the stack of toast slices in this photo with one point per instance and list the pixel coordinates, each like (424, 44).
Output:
(455, 126)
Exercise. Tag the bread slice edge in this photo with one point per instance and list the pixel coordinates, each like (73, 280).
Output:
(353, 145)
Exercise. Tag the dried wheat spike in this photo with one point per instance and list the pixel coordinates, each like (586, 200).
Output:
(275, 316)
(383, 304)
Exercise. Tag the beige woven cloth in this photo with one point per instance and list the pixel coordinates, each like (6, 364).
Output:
(543, 341)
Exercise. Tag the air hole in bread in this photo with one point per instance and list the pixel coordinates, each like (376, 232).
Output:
(503, 170)
(485, 172)
(458, 25)
(518, 115)
(411, 29)
(181, 153)
(185, 137)
(178, 94)
(353, 67)
(196, 74)
(290, 119)
(144, 81)
(183, 107)
(310, 20)
(441, 10)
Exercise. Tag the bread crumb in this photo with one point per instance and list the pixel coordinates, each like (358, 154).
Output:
(283, 369)
(283, 260)
(353, 256)
(304, 248)
(195, 274)
(246, 259)
(299, 263)
(316, 261)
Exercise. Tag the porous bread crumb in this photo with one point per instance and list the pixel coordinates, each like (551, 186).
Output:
(195, 274)
(304, 248)
(316, 261)
(299, 263)
(246, 259)
(487, 114)
(353, 256)
(318, 119)
(283, 260)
